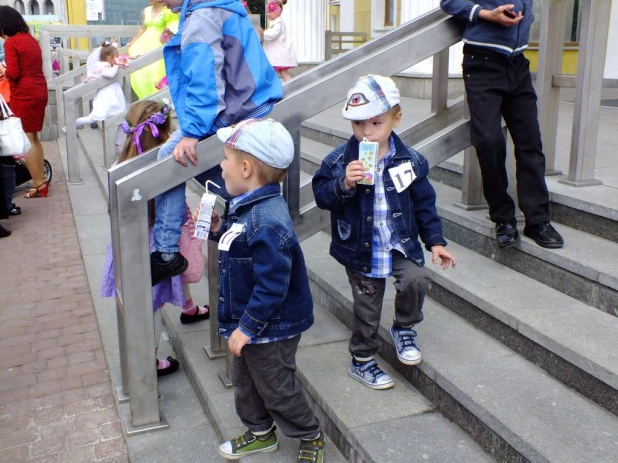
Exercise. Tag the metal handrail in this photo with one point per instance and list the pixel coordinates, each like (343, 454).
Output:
(133, 183)
(72, 95)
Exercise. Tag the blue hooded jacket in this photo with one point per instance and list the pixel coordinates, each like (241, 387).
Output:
(217, 71)
(509, 41)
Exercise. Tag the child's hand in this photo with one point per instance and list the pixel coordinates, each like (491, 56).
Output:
(446, 258)
(196, 213)
(237, 341)
(353, 173)
(261, 31)
(186, 146)
(215, 221)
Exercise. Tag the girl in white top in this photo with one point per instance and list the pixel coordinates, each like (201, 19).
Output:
(278, 44)
(110, 99)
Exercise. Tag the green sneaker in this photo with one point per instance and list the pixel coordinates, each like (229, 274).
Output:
(248, 444)
(311, 450)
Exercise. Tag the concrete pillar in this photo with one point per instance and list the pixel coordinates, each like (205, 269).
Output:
(306, 21)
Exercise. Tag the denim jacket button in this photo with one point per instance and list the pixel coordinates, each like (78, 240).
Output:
(365, 269)
(366, 245)
(369, 219)
(367, 191)
(221, 299)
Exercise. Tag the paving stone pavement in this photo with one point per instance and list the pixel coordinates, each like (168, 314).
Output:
(56, 402)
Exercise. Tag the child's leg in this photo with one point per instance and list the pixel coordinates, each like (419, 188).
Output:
(170, 206)
(411, 284)
(267, 388)
(285, 75)
(191, 313)
(82, 121)
(368, 294)
(170, 365)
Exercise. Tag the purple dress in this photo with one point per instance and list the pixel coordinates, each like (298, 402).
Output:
(168, 291)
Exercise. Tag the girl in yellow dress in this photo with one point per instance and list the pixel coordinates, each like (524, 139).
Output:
(155, 19)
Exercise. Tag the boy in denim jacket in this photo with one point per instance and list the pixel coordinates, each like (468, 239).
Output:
(376, 224)
(264, 298)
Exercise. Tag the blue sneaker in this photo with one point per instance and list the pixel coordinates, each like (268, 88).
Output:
(370, 374)
(405, 345)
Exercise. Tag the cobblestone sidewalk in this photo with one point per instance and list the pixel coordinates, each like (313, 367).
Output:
(56, 402)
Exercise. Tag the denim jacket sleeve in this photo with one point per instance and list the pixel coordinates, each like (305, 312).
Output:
(423, 197)
(328, 182)
(272, 263)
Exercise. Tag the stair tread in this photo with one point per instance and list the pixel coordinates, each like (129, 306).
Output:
(587, 255)
(357, 411)
(575, 331)
(550, 420)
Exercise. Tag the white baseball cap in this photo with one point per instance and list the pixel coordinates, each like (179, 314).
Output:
(370, 97)
(266, 139)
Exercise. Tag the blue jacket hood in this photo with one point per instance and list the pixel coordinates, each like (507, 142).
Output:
(231, 5)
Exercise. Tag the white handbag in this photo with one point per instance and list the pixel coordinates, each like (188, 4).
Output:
(13, 139)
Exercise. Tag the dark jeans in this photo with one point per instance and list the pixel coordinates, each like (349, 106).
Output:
(266, 388)
(411, 284)
(501, 87)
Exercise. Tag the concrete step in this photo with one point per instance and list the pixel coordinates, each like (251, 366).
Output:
(590, 209)
(569, 339)
(395, 426)
(585, 269)
(513, 408)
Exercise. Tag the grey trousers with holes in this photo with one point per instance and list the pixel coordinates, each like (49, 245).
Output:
(411, 284)
(266, 388)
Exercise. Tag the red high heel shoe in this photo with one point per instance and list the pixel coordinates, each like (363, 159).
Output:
(41, 191)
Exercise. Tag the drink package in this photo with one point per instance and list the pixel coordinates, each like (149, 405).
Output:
(202, 226)
(367, 152)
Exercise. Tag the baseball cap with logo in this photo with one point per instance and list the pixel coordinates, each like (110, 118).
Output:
(266, 139)
(370, 97)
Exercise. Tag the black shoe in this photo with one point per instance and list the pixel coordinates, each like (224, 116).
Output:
(160, 269)
(187, 319)
(507, 234)
(173, 368)
(544, 235)
(4, 232)
(15, 210)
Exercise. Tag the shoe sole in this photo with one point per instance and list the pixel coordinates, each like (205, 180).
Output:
(409, 362)
(375, 387)
(228, 456)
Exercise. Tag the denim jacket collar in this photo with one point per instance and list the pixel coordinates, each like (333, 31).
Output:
(266, 191)
(350, 152)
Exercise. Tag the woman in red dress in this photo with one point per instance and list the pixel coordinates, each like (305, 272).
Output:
(24, 70)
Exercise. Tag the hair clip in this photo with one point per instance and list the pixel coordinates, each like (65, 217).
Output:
(153, 121)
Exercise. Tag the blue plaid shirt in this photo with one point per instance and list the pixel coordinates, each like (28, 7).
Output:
(233, 203)
(384, 236)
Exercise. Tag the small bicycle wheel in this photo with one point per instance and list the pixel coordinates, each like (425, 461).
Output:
(47, 168)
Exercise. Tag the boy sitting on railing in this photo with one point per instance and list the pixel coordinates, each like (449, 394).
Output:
(218, 75)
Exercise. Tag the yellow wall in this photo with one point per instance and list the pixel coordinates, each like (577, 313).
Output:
(569, 61)
(362, 16)
(76, 16)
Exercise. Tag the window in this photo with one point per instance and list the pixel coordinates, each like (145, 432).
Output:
(19, 6)
(389, 12)
(34, 7)
(573, 22)
(49, 7)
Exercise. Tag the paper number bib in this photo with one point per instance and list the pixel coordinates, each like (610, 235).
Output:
(403, 175)
(229, 236)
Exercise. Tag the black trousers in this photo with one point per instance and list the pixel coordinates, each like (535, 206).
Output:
(498, 86)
